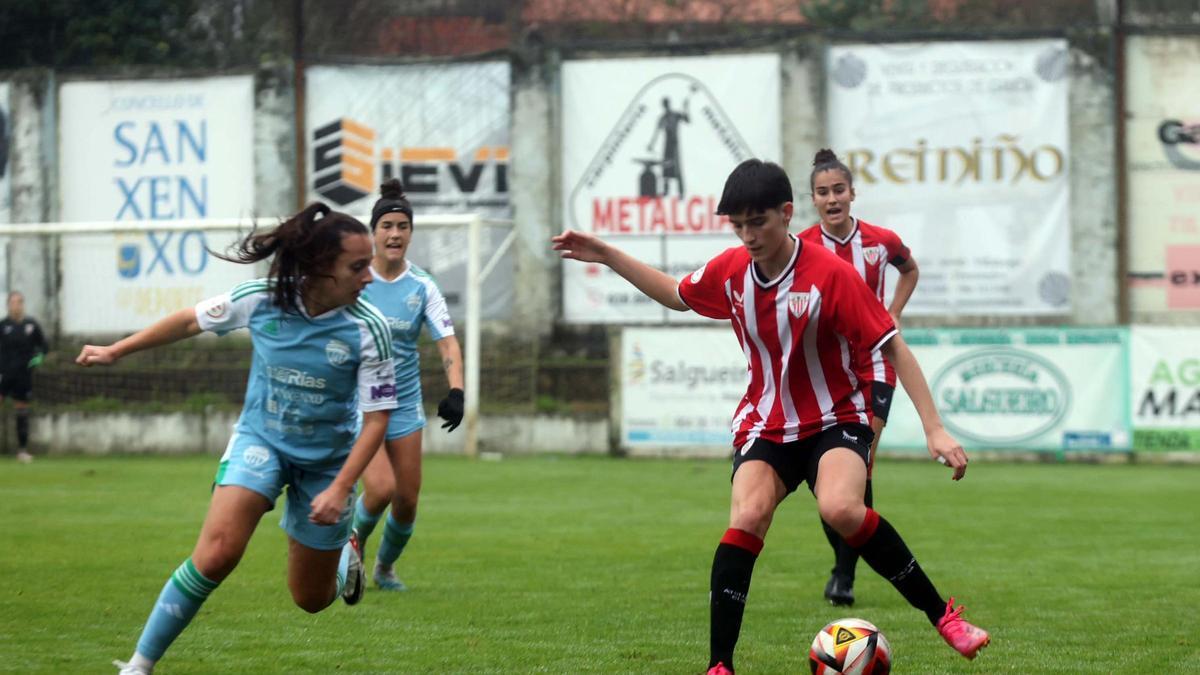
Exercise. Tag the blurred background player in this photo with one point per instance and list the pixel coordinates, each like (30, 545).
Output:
(869, 249)
(321, 355)
(797, 310)
(409, 298)
(23, 347)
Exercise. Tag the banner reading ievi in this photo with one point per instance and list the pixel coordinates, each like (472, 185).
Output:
(442, 129)
(646, 147)
(151, 150)
(962, 149)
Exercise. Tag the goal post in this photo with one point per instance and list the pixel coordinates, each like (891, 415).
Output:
(63, 242)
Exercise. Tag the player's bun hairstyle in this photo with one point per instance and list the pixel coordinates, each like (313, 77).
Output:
(827, 160)
(304, 246)
(391, 200)
(754, 186)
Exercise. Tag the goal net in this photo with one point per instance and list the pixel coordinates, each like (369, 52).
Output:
(97, 281)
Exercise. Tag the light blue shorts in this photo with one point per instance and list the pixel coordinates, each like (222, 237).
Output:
(407, 418)
(253, 463)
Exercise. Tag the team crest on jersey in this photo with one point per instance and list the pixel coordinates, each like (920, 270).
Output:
(413, 302)
(337, 352)
(872, 255)
(798, 304)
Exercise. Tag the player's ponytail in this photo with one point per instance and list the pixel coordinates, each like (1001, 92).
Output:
(300, 248)
(827, 160)
(391, 200)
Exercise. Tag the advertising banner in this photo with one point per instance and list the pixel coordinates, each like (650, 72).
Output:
(1037, 389)
(962, 149)
(646, 147)
(1165, 376)
(1020, 389)
(1162, 147)
(5, 153)
(679, 388)
(443, 130)
(151, 150)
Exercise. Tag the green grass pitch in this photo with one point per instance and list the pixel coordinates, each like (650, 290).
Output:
(572, 565)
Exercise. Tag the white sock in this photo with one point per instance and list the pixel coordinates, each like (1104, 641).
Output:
(139, 661)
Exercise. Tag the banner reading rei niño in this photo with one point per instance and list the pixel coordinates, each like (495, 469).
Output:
(151, 150)
(443, 130)
(961, 148)
(646, 147)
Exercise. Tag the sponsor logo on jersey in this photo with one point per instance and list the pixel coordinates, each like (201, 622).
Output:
(1001, 396)
(295, 377)
(398, 325)
(798, 304)
(383, 391)
(256, 455)
(337, 352)
(217, 311)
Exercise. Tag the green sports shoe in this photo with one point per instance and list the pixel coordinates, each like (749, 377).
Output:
(385, 579)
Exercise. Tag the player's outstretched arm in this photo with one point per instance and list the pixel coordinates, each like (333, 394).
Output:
(657, 285)
(942, 446)
(171, 328)
(327, 506)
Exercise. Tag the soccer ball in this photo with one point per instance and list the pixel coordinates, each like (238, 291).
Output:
(851, 647)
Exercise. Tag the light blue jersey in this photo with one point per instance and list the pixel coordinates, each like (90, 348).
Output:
(408, 302)
(310, 376)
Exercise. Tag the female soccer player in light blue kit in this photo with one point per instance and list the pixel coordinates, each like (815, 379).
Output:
(409, 299)
(322, 368)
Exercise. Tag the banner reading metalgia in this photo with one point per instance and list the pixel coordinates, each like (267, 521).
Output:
(961, 148)
(647, 146)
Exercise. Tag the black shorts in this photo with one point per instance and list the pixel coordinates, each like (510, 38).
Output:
(796, 462)
(17, 385)
(882, 394)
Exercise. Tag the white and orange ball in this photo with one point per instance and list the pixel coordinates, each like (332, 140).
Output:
(850, 647)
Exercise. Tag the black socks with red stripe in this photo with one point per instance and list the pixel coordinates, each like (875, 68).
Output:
(731, 569)
(846, 558)
(881, 546)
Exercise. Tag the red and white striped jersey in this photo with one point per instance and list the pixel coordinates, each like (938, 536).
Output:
(869, 249)
(799, 332)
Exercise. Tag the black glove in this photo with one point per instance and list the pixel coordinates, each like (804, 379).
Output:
(451, 410)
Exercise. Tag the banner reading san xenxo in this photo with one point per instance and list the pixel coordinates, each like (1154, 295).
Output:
(443, 130)
(1032, 389)
(1162, 140)
(151, 150)
(646, 147)
(962, 149)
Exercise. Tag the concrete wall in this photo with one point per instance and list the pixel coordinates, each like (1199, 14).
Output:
(175, 433)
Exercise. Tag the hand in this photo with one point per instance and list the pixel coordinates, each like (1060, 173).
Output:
(451, 410)
(329, 506)
(36, 360)
(93, 355)
(580, 246)
(947, 451)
